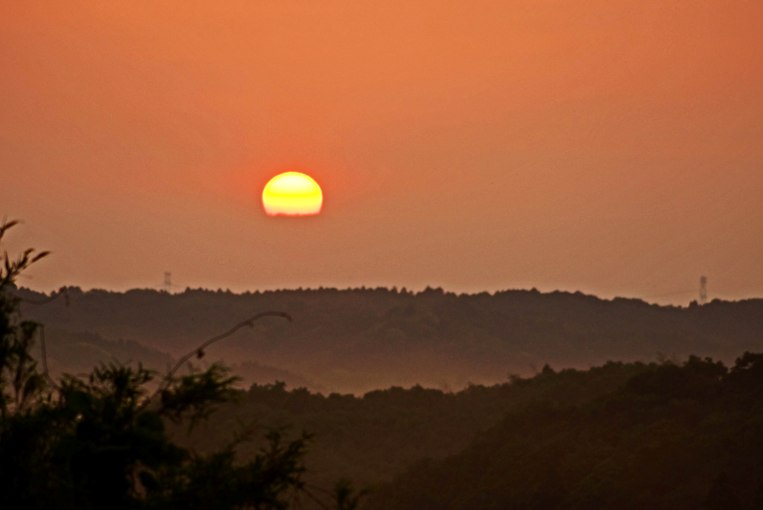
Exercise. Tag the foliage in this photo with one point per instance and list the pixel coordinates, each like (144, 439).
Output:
(672, 437)
(621, 435)
(101, 441)
(19, 380)
(379, 435)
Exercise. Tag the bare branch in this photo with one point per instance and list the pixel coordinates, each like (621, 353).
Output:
(199, 351)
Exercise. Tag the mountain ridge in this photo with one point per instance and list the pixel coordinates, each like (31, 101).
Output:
(361, 339)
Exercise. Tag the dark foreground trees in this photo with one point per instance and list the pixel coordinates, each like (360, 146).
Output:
(99, 442)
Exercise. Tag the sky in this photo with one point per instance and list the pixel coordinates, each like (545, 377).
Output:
(606, 146)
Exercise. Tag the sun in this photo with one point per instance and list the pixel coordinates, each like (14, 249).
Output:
(292, 194)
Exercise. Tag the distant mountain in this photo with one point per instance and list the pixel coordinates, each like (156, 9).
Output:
(251, 372)
(361, 339)
(78, 353)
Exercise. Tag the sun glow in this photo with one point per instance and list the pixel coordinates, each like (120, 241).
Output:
(292, 194)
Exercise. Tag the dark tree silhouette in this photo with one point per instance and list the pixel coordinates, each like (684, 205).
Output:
(100, 442)
(721, 496)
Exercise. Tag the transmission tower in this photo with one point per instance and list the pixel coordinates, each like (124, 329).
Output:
(167, 281)
(702, 290)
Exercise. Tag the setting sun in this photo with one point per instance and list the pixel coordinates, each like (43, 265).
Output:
(292, 194)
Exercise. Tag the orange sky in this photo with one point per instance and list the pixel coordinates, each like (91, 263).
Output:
(606, 146)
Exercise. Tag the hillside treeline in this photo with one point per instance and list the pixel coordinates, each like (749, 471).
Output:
(672, 437)
(363, 339)
(619, 436)
(376, 436)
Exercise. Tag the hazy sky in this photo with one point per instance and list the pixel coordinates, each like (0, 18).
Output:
(613, 147)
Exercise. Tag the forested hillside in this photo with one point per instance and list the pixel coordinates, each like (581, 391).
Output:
(375, 437)
(624, 434)
(364, 339)
(618, 436)
(672, 437)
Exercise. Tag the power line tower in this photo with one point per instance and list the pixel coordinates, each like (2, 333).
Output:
(702, 290)
(168, 281)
